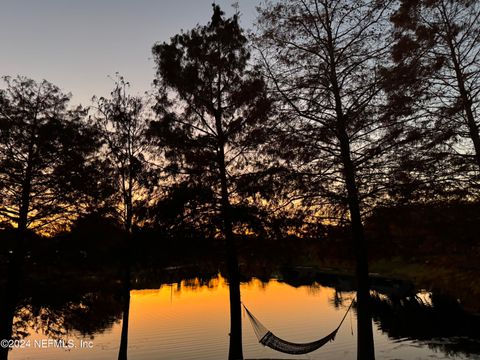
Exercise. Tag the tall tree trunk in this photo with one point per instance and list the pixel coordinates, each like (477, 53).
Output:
(365, 343)
(9, 301)
(123, 350)
(126, 255)
(459, 76)
(126, 286)
(22, 224)
(235, 348)
(11, 293)
(466, 101)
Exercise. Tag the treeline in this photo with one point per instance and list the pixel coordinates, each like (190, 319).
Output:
(327, 110)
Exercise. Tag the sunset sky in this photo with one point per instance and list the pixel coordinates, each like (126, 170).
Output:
(77, 44)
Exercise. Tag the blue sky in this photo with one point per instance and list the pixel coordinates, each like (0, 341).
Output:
(76, 44)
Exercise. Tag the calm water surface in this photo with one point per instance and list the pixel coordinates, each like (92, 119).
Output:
(190, 320)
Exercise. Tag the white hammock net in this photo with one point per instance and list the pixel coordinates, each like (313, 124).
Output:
(267, 338)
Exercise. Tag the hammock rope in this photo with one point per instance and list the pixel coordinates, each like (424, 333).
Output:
(267, 338)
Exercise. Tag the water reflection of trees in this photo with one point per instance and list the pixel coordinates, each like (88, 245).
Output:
(88, 314)
(432, 318)
(398, 309)
(401, 311)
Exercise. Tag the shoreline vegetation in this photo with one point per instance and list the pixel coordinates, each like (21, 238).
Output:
(455, 276)
(400, 248)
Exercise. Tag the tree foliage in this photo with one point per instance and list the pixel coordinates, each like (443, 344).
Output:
(324, 59)
(122, 122)
(213, 112)
(435, 81)
(46, 150)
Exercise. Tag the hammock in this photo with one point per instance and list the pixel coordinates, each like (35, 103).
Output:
(267, 338)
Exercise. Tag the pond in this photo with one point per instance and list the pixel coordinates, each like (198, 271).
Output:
(189, 319)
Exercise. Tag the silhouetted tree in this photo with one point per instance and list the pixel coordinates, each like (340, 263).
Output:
(45, 150)
(213, 114)
(122, 121)
(184, 211)
(324, 58)
(436, 81)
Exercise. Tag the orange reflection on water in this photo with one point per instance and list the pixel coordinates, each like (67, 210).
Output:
(190, 320)
(202, 300)
(195, 315)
